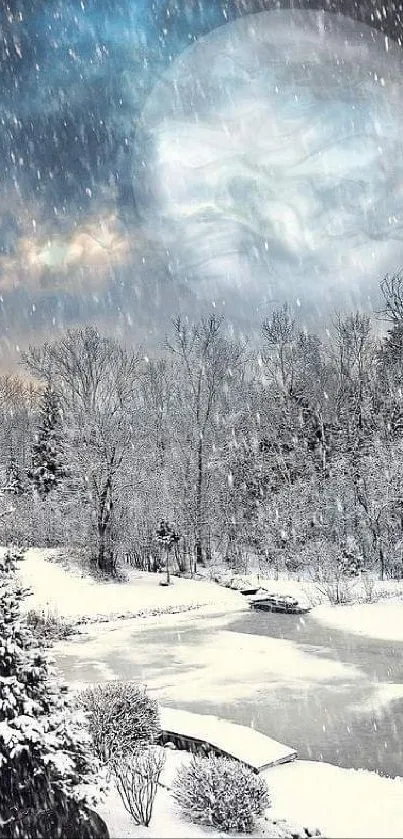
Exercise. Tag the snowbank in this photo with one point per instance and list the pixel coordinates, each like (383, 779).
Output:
(340, 802)
(383, 620)
(71, 595)
(252, 747)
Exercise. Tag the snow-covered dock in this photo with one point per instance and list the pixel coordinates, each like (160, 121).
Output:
(204, 733)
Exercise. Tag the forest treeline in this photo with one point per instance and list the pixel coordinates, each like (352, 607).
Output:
(291, 451)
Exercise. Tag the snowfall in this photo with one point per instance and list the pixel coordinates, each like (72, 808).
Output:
(340, 802)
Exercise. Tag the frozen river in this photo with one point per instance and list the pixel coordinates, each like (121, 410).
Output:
(334, 696)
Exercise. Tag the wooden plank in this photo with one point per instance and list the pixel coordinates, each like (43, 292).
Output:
(256, 750)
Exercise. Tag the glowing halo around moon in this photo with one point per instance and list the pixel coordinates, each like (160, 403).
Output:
(269, 157)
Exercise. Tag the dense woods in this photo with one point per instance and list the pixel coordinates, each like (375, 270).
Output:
(290, 450)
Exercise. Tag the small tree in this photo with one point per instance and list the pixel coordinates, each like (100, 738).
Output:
(14, 484)
(168, 538)
(47, 770)
(47, 464)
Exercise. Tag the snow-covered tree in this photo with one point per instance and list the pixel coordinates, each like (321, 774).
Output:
(167, 537)
(47, 769)
(14, 484)
(47, 462)
(96, 380)
(208, 365)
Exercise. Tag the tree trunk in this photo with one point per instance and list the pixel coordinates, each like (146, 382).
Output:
(382, 562)
(105, 555)
(199, 498)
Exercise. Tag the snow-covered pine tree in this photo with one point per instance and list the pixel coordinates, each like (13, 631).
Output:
(47, 769)
(13, 484)
(47, 462)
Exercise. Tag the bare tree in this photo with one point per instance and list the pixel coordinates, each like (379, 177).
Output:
(18, 404)
(294, 363)
(207, 363)
(392, 293)
(95, 379)
(280, 333)
(354, 355)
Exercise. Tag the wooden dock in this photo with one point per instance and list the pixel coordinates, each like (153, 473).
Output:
(204, 734)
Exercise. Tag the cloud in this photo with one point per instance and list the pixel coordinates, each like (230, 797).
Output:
(86, 254)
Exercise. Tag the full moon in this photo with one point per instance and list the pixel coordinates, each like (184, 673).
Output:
(269, 159)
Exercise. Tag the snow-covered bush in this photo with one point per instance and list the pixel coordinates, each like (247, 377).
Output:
(333, 571)
(221, 792)
(47, 770)
(121, 716)
(49, 626)
(137, 776)
(369, 587)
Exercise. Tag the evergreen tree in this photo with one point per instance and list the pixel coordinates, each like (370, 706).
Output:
(47, 462)
(46, 765)
(13, 484)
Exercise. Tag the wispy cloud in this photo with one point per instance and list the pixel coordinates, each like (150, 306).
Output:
(89, 251)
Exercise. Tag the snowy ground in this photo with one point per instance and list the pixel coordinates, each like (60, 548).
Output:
(166, 820)
(72, 595)
(383, 620)
(342, 803)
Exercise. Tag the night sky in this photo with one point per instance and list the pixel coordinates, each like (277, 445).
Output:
(90, 228)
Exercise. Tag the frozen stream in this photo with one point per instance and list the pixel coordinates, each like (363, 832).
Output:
(332, 695)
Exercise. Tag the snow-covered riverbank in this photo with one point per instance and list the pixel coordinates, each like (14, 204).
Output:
(68, 593)
(383, 620)
(73, 595)
(340, 802)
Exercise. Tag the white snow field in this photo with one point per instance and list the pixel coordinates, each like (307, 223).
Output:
(341, 802)
(76, 595)
(383, 620)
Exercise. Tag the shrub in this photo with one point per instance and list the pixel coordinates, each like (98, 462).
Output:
(48, 626)
(221, 792)
(337, 591)
(121, 717)
(369, 587)
(137, 776)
